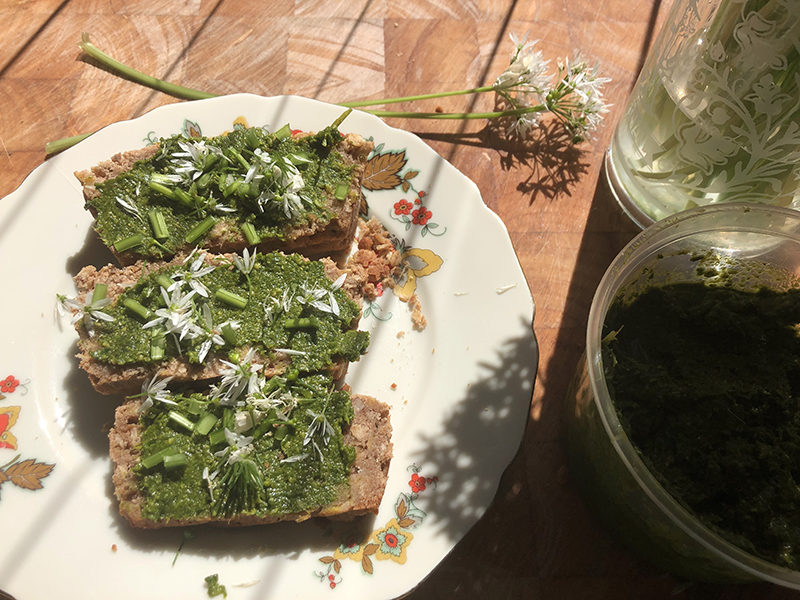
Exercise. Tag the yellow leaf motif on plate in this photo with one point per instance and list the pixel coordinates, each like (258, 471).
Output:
(411, 259)
(241, 121)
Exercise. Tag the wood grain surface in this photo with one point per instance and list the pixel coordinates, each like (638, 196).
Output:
(538, 539)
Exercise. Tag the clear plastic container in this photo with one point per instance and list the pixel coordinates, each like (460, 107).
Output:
(605, 466)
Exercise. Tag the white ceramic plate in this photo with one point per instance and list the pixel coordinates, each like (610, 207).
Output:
(459, 390)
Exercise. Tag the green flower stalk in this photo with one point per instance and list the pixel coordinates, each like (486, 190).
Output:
(524, 87)
(125, 71)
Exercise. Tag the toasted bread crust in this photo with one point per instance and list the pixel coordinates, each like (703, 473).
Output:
(369, 433)
(314, 239)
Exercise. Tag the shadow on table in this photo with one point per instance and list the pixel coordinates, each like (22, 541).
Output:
(552, 163)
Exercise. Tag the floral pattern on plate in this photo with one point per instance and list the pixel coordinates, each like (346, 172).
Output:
(389, 542)
(22, 473)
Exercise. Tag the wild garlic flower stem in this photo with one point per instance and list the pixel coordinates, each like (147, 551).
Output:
(522, 81)
(470, 115)
(139, 77)
(64, 143)
(382, 101)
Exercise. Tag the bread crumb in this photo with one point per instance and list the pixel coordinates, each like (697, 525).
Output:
(113, 547)
(401, 334)
(417, 318)
(393, 386)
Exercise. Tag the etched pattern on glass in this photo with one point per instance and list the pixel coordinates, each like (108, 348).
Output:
(715, 116)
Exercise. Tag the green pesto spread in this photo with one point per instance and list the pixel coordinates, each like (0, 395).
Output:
(248, 447)
(706, 382)
(259, 185)
(272, 303)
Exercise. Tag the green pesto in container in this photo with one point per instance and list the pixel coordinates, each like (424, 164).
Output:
(284, 302)
(256, 184)
(284, 451)
(706, 383)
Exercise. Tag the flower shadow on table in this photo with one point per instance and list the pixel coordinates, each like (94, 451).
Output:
(553, 164)
(479, 438)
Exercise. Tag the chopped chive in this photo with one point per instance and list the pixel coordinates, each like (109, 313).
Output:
(174, 461)
(161, 189)
(283, 132)
(302, 323)
(129, 242)
(158, 346)
(231, 187)
(341, 191)
(100, 292)
(245, 191)
(200, 229)
(281, 432)
(229, 335)
(300, 158)
(210, 161)
(228, 419)
(166, 250)
(164, 281)
(239, 158)
(180, 419)
(340, 119)
(205, 424)
(152, 460)
(155, 458)
(204, 180)
(195, 406)
(137, 308)
(216, 437)
(252, 139)
(230, 298)
(184, 198)
(263, 428)
(159, 224)
(250, 234)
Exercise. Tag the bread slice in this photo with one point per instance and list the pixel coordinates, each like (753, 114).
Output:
(327, 228)
(300, 349)
(369, 433)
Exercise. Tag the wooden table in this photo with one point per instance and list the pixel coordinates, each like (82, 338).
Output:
(538, 540)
